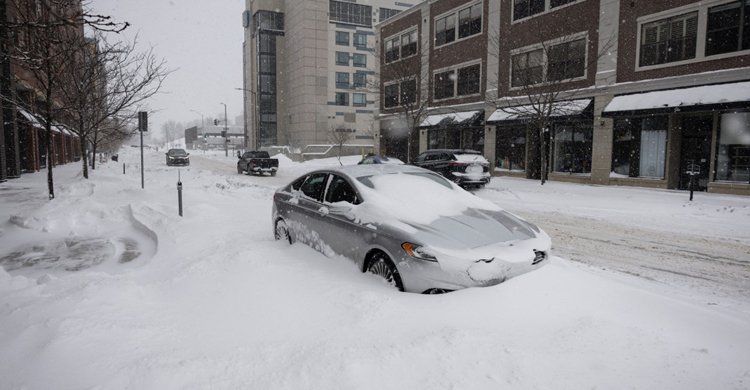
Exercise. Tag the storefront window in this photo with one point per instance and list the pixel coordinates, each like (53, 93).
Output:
(639, 146)
(733, 155)
(510, 150)
(572, 148)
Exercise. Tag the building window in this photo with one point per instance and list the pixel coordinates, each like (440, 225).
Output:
(401, 46)
(342, 99)
(728, 28)
(390, 96)
(350, 13)
(558, 3)
(359, 99)
(342, 80)
(526, 8)
(386, 13)
(268, 21)
(360, 80)
(409, 44)
(572, 148)
(510, 148)
(733, 157)
(400, 94)
(342, 38)
(567, 60)
(470, 21)
(359, 60)
(669, 40)
(360, 40)
(444, 84)
(445, 30)
(408, 94)
(466, 21)
(468, 80)
(527, 68)
(342, 58)
(392, 50)
(639, 146)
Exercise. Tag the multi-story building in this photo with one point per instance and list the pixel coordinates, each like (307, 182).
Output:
(308, 70)
(592, 91)
(23, 146)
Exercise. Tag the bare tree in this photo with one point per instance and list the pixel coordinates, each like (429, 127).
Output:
(339, 136)
(107, 82)
(400, 79)
(39, 38)
(540, 89)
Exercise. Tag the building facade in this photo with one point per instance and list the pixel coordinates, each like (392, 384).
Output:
(308, 70)
(652, 94)
(23, 145)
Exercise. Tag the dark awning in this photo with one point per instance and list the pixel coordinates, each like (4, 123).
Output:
(559, 109)
(452, 119)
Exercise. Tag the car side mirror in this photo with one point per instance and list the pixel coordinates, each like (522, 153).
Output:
(187, 154)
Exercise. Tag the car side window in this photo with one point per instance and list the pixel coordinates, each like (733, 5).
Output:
(298, 183)
(314, 185)
(432, 157)
(340, 191)
(420, 158)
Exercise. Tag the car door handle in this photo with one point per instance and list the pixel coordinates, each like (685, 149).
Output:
(323, 211)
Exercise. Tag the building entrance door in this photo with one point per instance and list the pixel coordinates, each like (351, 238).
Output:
(695, 151)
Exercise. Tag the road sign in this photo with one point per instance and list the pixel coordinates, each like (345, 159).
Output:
(142, 121)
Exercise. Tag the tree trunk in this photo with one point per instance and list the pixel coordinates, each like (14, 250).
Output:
(93, 156)
(533, 158)
(543, 152)
(50, 180)
(84, 157)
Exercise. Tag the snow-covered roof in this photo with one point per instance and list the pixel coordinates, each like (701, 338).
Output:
(694, 96)
(562, 108)
(454, 117)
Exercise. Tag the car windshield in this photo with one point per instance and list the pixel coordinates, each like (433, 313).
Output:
(368, 180)
(177, 152)
(256, 155)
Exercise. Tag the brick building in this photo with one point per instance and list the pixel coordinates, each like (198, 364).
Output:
(23, 142)
(639, 92)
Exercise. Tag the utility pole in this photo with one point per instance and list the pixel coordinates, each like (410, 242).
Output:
(226, 133)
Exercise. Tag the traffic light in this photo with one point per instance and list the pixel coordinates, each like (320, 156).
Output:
(216, 122)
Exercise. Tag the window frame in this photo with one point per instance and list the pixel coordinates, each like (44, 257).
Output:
(354, 100)
(455, 12)
(342, 42)
(341, 83)
(354, 61)
(700, 46)
(399, 93)
(336, 99)
(545, 61)
(547, 9)
(341, 63)
(456, 70)
(399, 39)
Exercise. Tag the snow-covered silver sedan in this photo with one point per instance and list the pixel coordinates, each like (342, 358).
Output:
(411, 226)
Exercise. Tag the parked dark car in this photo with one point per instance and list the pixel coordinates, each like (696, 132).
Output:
(178, 157)
(376, 159)
(378, 216)
(257, 162)
(462, 166)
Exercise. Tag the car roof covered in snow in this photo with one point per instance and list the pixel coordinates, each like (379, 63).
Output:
(375, 169)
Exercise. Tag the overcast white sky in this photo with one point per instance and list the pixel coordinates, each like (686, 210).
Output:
(201, 40)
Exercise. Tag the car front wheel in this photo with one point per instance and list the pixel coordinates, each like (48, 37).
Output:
(382, 266)
(239, 169)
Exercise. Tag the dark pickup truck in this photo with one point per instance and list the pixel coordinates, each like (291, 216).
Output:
(257, 162)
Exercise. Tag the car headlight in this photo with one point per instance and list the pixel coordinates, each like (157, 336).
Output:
(417, 251)
(171, 158)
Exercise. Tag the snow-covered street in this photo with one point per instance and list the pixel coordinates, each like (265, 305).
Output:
(107, 287)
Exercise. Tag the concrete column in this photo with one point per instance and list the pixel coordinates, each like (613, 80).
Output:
(601, 151)
(674, 144)
(490, 139)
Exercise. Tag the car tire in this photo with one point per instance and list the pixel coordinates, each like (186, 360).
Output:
(381, 265)
(281, 231)
(239, 170)
(273, 173)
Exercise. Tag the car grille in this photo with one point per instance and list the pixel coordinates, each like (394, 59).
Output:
(539, 256)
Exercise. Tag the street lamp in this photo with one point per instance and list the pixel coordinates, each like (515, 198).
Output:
(244, 114)
(201, 114)
(226, 133)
